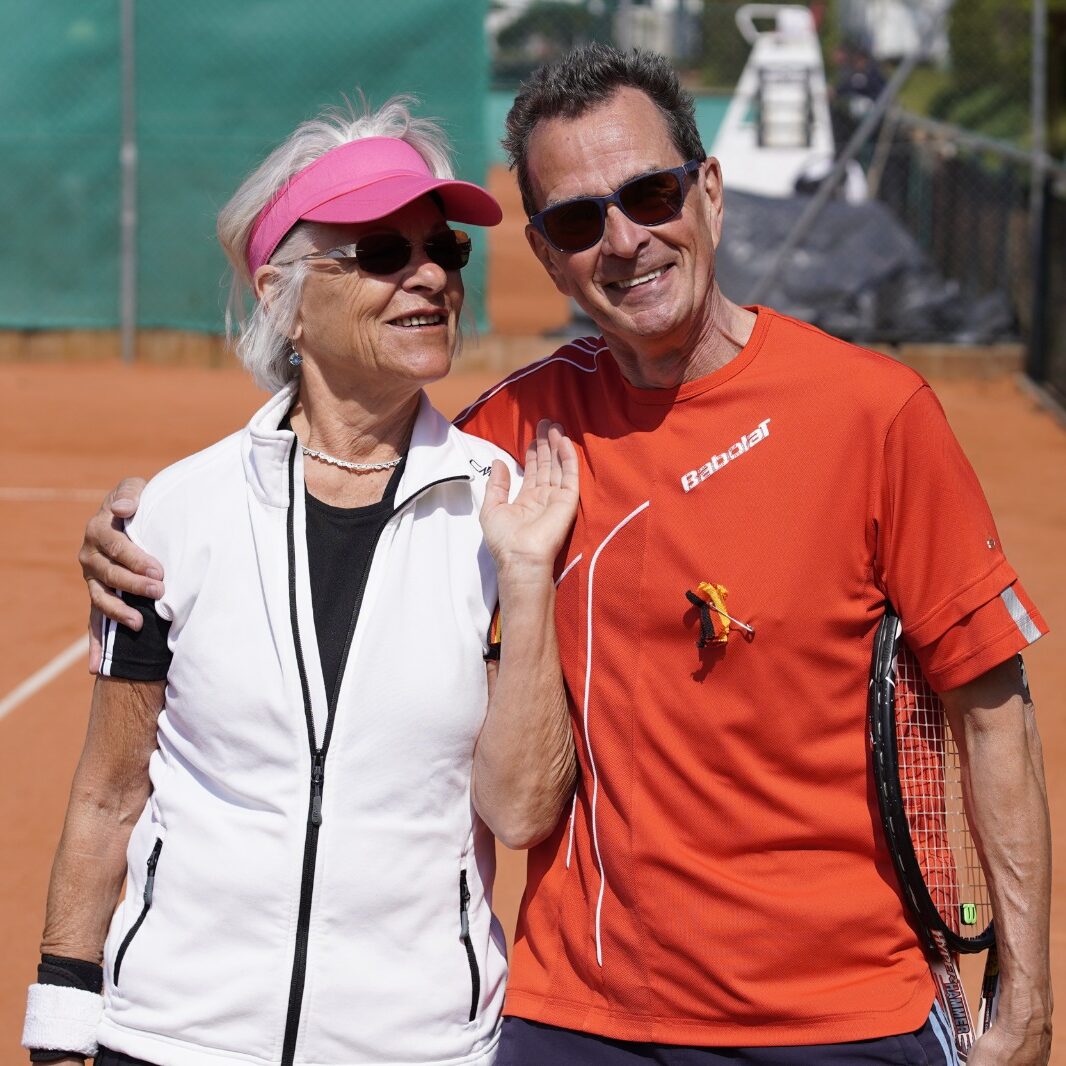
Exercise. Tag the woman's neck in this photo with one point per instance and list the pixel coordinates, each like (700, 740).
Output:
(354, 429)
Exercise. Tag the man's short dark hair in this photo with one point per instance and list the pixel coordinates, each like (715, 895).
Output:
(584, 79)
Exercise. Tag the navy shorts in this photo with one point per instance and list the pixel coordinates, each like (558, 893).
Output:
(532, 1044)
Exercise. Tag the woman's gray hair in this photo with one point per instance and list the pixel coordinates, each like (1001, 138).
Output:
(263, 344)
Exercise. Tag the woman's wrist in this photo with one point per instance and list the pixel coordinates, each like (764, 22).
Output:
(524, 571)
(63, 1010)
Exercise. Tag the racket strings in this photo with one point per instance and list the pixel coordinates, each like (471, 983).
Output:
(930, 775)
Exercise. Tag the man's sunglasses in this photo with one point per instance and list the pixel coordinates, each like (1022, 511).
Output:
(386, 253)
(649, 200)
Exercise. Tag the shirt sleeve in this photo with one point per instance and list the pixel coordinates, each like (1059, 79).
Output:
(939, 556)
(495, 417)
(141, 656)
(494, 638)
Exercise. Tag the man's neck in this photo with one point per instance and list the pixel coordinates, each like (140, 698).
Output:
(667, 363)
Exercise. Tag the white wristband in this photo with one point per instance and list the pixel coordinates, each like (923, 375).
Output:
(59, 1018)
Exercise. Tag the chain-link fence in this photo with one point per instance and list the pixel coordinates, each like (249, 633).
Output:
(946, 219)
(965, 158)
(947, 224)
(214, 87)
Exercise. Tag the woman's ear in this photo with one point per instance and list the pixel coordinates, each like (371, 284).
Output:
(263, 281)
(263, 284)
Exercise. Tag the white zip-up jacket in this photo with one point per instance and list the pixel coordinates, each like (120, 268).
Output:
(304, 887)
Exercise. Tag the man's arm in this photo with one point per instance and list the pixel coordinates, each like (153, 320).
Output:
(110, 560)
(525, 767)
(994, 725)
(107, 796)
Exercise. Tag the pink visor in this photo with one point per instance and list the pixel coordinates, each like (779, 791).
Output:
(359, 182)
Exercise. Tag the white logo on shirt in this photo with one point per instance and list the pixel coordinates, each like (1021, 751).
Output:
(690, 480)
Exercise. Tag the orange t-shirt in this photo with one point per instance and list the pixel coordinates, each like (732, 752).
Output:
(723, 879)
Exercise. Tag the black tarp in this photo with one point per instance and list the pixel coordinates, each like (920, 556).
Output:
(856, 274)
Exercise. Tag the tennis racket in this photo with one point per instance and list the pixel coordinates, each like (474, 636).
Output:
(919, 792)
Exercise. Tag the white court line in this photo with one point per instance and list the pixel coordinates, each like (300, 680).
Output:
(49, 672)
(20, 494)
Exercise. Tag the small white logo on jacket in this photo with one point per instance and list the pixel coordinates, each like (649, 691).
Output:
(690, 480)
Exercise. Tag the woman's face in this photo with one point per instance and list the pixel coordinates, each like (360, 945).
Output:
(380, 331)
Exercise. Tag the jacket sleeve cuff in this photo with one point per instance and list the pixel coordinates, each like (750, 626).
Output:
(62, 1019)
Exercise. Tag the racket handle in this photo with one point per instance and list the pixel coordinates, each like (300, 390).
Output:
(986, 1013)
(952, 998)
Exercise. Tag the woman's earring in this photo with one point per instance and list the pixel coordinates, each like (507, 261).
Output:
(295, 358)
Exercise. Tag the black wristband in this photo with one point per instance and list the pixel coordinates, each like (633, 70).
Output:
(53, 1056)
(70, 973)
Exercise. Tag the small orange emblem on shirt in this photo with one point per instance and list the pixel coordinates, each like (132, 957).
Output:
(715, 620)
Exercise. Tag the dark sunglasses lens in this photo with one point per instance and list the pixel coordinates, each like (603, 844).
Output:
(382, 253)
(450, 251)
(652, 200)
(574, 226)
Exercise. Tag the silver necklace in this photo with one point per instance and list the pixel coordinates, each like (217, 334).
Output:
(325, 457)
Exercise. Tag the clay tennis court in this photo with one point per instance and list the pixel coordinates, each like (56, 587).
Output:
(71, 429)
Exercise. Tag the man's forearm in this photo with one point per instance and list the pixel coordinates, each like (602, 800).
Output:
(524, 762)
(1007, 803)
(1010, 818)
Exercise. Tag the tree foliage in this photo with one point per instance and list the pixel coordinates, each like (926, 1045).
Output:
(990, 70)
(546, 30)
(552, 22)
(725, 51)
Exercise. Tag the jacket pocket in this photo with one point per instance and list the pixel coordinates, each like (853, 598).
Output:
(464, 936)
(149, 888)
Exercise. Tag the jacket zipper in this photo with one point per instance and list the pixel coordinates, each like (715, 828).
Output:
(149, 889)
(464, 936)
(318, 757)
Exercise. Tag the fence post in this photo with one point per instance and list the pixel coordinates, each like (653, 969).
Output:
(1036, 360)
(128, 209)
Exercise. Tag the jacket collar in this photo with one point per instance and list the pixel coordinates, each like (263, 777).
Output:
(438, 451)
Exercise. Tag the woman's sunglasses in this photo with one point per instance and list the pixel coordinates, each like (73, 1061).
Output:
(649, 200)
(386, 253)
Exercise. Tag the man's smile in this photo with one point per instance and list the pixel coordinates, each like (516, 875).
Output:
(625, 284)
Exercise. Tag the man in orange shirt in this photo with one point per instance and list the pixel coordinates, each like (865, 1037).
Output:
(721, 890)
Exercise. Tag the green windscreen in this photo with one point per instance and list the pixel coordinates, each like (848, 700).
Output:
(218, 85)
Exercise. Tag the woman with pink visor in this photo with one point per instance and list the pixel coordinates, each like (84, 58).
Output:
(298, 755)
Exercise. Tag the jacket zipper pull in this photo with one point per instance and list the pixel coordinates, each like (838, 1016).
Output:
(317, 773)
(464, 904)
(149, 881)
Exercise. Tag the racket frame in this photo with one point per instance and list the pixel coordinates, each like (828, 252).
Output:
(942, 942)
(890, 795)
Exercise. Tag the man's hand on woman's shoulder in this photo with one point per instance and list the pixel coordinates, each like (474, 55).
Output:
(112, 563)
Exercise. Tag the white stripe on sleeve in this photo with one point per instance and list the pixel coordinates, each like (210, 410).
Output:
(1020, 615)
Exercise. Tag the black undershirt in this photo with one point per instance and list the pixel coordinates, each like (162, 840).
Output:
(340, 543)
(144, 655)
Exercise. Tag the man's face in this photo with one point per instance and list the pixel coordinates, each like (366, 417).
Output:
(647, 287)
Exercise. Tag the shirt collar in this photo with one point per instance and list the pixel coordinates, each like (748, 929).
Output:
(438, 451)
